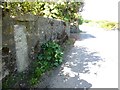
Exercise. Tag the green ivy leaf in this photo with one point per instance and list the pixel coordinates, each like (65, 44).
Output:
(56, 64)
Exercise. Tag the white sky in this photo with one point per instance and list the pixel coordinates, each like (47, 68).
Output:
(101, 9)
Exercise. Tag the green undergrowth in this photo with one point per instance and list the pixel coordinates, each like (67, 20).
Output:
(50, 56)
(107, 25)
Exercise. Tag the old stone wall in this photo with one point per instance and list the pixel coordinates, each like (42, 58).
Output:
(25, 34)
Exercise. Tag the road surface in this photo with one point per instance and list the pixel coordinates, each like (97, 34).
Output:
(91, 63)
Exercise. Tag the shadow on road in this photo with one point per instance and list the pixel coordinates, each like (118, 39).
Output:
(81, 36)
(77, 60)
(86, 36)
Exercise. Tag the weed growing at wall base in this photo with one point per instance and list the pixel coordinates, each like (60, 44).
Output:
(51, 52)
(50, 57)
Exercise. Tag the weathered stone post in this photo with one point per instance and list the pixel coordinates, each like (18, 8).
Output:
(21, 47)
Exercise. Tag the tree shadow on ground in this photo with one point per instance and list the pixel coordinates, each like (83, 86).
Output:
(82, 36)
(77, 60)
(86, 36)
(81, 57)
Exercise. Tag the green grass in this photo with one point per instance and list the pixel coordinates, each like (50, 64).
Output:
(108, 25)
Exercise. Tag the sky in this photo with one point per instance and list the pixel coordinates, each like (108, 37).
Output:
(101, 10)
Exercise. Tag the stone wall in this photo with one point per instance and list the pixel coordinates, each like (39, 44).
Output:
(24, 35)
(0, 47)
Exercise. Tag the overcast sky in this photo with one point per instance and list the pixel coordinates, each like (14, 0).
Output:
(101, 9)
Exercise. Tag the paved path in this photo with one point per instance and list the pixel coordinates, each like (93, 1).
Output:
(92, 62)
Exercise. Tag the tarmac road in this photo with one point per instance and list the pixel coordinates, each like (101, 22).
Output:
(91, 63)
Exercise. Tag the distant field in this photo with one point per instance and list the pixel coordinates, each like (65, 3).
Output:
(108, 25)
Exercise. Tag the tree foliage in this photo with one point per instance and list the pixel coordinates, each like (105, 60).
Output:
(66, 11)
